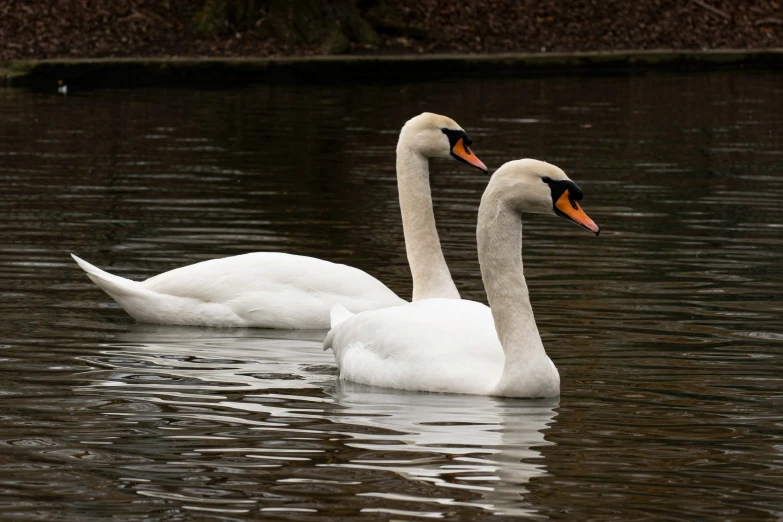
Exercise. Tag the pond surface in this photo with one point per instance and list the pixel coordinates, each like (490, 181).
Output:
(666, 329)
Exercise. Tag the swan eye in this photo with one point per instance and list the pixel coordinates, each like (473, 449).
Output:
(546, 179)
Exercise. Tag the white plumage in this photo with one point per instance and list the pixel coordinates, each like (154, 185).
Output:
(262, 289)
(458, 346)
(436, 345)
(278, 290)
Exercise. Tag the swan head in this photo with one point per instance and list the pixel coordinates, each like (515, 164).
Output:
(538, 187)
(436, 136)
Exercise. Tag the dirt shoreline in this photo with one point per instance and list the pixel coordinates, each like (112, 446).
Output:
(129, 72)
(152, 28)
(148, 42)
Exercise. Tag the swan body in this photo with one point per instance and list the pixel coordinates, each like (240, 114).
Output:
(435, 345)
(266, 289)
(460, 346)
(278, 290)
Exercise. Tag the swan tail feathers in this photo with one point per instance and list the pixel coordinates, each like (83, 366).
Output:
(338, 314)
(329, 339)
(113, 285)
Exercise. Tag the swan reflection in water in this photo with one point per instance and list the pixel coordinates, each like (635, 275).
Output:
(487, 447)
(491, 442)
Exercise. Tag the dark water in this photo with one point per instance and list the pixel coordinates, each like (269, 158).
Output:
(666, 329)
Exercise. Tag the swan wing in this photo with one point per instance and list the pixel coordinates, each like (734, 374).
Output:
(264, 289)
(437, 345)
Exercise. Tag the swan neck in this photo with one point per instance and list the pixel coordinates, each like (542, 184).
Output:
(499, 237)
(431, 276)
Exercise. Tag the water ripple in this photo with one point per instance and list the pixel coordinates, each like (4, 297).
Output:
(666, 329)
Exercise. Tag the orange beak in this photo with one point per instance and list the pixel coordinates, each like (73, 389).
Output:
(463, 153)
(567, 207)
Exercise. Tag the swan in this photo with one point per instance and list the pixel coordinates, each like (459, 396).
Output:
(278, 290)
(461, 346)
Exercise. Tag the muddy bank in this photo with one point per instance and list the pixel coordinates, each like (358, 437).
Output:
(85, 74)
(147, 28)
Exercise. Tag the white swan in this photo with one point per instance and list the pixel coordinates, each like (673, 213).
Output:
(277, 290)
(447, 345)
